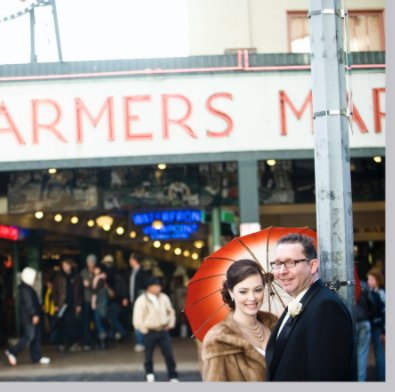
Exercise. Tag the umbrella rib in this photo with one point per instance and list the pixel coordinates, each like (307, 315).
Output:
(278, 295)
(219, 258)
(201, 299)
(202, 325)
(268, 242)
(204, 278)
(267, 258)
(249, 251)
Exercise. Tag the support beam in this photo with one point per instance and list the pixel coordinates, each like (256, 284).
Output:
(248, 196)
(33, 54)
(216, 228)
(57, 33)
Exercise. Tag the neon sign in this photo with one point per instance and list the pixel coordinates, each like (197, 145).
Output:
(176, 231)
(9, 232)
(177, 224)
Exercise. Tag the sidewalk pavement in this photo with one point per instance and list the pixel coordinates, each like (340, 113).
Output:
(117, 363)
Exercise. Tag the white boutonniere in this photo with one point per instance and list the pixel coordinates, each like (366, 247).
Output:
(294, 308)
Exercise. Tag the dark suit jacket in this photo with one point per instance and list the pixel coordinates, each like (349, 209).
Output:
(317, 345)
(140, 282)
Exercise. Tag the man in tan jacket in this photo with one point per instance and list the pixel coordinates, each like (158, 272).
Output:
(154, 316)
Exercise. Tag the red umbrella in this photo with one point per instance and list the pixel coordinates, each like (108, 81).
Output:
(204, 306)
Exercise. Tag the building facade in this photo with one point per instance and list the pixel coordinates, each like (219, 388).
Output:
(178, 140)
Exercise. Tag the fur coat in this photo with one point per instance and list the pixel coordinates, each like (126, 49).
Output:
(228, 356)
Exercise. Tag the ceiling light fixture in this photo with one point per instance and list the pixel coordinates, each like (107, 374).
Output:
(157, 224)
(39, 214)
(120, 230)
(198, 244)
(377, 159)
(104, 220)
(177, 251)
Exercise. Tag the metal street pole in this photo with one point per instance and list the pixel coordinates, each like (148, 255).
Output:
(331, 152)
(57, 33)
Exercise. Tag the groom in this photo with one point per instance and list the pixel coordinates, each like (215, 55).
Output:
(313, 339)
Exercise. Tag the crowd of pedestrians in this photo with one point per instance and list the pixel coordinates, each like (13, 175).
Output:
(94, 307)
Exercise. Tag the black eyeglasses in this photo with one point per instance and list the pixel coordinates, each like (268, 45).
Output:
(289, 263)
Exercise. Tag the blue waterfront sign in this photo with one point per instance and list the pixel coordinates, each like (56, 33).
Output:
(177, 224)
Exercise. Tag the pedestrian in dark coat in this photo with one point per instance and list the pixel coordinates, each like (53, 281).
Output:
(137, 282)
(118, 298)
(30, 317)
(67, 296)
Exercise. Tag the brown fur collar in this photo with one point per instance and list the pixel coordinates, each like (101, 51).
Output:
(225, 338)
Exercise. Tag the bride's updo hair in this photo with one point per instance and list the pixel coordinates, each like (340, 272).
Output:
(236, 273)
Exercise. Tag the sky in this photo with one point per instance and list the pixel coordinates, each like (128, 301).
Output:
(98, 30)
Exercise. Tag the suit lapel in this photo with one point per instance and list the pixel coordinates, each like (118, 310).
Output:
(271, 344)
(276, 345)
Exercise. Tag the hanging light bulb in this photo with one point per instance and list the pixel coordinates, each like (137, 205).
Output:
(58, 218)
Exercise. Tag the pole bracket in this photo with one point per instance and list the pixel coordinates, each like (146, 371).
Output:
(336, 284)
(340, 12)
(333, 112)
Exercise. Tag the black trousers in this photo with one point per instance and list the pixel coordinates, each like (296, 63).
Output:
(87, 320)
(67, 327)
(31, 336)
(162, 339)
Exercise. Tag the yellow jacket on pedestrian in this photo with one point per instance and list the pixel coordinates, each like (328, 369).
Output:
(49, 305)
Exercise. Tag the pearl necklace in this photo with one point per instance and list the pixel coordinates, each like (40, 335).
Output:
(255, 334)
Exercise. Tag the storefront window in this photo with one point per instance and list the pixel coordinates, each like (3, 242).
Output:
(293, 182)
(365, 29)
